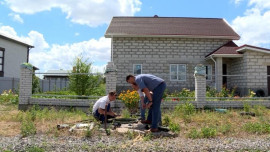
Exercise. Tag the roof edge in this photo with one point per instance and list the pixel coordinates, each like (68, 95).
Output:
(172, 36)
(253, 48)
(14, 40)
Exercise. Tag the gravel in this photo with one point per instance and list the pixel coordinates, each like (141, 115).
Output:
(122, 143)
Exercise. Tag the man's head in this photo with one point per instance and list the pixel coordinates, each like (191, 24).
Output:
(131, 79)
(112, 95)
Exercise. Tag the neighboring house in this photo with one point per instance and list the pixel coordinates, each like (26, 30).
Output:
(171, 47)
(13, 53)
(57, 75)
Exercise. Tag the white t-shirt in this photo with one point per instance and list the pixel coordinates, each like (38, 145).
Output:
(101, 103)
(141, 94)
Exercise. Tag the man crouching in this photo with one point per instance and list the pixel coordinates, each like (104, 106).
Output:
(100, 107)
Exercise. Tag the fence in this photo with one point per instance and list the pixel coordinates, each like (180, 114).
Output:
(7, 83)
(199, 100)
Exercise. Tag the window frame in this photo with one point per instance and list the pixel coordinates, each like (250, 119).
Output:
(206, 72)
(177, 74)
(3, 62)
(134, 66)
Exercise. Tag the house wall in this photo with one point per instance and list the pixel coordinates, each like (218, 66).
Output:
(253, 68)
(257, 63)
(15, 55)
(156, 55)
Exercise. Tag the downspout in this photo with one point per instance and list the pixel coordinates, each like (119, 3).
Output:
(215, 71)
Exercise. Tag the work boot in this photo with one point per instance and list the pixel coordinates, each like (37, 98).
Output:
(154, 130)
(146, 122)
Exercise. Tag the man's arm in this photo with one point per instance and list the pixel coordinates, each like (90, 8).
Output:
(147, 93)
(102, 111)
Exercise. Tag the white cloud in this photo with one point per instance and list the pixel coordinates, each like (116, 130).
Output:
(237, 2)
(77, 34)
(87, 12)
(253, 26)
(16, 17)
(56, 56)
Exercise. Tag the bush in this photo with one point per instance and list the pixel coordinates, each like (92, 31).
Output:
(208, 132)
(247, 107)
(225, 129)
(130, 99)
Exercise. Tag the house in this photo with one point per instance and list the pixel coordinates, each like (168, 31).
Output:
(171, 47)
(13, 53)
(56, 75)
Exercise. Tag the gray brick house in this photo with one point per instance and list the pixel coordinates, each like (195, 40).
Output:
(170, 47)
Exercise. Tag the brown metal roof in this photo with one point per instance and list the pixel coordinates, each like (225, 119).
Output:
(228, 48)
(170, 27)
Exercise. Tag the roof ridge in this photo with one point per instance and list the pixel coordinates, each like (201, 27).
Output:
(165, 17)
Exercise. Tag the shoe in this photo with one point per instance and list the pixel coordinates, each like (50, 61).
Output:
(154, 130)
(146, 122)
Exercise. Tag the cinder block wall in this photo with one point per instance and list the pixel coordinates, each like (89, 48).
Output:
(254, 65)
(156, 55)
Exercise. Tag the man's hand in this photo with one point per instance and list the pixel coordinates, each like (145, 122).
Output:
(143, 106)
(148, 106)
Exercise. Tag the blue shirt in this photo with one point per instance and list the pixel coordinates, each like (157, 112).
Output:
(148, 81)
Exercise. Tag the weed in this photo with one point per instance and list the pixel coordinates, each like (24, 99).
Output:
(257, 128)
(247, 107)
(88, 133)
(194, 134)
(131, 134)
(259, 110)
(225, 129)
(174, 127)
(28, 127)
(208, 132)
(34, 149)
(148, 137)
(166, 120)
(125, 113)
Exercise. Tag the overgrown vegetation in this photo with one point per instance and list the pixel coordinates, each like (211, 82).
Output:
(81, 81)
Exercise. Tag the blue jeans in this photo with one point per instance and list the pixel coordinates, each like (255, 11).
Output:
(154, 113)
(101, 117)
(141, 108)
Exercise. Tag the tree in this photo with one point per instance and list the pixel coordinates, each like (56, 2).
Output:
(81, 81)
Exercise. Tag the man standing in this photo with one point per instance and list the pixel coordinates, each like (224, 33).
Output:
(147, 83)
(100, 107)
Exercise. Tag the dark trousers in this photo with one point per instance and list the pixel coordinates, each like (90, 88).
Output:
(101, 117)
(154, 113)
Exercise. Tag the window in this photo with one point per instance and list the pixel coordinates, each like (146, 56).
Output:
(137, 69)
(208, 72)
(178, 72)
(2, 62)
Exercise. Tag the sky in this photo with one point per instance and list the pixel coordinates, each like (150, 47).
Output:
(61, 30)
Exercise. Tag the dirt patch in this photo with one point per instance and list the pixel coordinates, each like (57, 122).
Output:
(9, 128)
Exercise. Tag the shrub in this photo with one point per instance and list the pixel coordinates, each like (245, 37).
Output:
(130, 99)
(208, 132)
(259, 110)
(166, 120)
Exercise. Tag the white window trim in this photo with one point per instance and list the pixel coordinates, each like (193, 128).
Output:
(134, 68)
(211, 73)
(177, 72)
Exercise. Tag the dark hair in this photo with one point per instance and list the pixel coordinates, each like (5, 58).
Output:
(128, 77)
(112, 93)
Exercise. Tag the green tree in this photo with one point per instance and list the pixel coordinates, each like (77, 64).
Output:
(81, 81)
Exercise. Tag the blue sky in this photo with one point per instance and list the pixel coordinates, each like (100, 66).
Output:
(61, 30)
